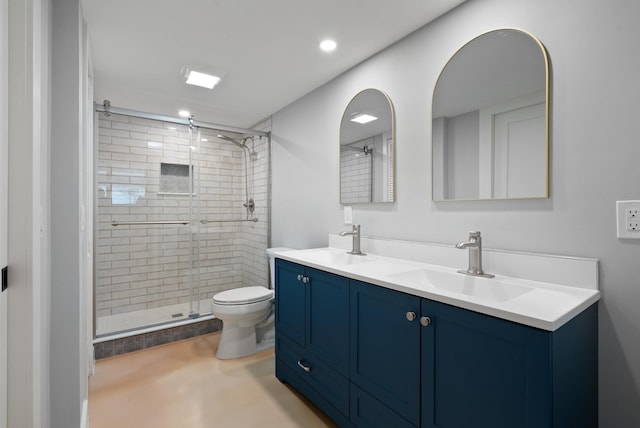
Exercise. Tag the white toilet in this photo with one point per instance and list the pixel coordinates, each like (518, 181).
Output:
(247, 316)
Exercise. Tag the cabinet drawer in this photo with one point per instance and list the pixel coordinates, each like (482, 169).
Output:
(333, 386)
(366, 411)
(287, 376)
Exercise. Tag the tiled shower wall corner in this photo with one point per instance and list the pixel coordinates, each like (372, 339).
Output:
(145, 266)
(367, 175)
(356, 175)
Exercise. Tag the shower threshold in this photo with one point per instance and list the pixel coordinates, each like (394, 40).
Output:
(148, 318)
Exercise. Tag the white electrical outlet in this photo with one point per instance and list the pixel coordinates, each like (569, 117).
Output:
(348, 215)
(628, 219)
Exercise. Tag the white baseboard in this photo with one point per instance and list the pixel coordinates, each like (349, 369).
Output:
(84, 422)
(91, 361)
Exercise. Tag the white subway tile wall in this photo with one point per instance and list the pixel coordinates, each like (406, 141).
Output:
(355, 176)
(146, 266)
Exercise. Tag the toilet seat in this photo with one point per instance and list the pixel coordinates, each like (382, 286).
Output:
(243, 296)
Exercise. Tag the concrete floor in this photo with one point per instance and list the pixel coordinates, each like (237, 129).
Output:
(182, 384)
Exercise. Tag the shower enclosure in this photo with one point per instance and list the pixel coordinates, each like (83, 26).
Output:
(182, 212)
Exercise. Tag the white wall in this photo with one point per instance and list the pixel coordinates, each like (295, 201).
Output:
(68, 360)
(594, 156)
(463, 156)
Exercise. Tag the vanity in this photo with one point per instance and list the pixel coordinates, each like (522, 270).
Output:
(377, 341)
(402, 337)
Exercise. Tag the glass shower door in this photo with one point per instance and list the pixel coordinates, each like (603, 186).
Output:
(148, 223)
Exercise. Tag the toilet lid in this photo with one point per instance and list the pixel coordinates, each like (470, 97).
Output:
(243, 295)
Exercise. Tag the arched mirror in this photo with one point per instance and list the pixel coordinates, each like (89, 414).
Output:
(367, 149)
(490, 120)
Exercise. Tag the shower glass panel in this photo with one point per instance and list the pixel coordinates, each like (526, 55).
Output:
(174, 224)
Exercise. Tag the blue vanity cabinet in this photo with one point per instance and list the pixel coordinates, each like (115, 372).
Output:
(482, 371)
(448, 367)
(480, 364)
(385, 357)
(312, 338)
(373, 357)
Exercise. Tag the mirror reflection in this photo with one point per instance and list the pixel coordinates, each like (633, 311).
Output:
(367, 147)
(489, 123)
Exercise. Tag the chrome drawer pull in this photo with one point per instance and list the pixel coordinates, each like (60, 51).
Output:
(425, 321)
(411, 316)
(303, 367)
(300, 277)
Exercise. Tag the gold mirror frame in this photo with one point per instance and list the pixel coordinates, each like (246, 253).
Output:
(367, 151)
(493, 75)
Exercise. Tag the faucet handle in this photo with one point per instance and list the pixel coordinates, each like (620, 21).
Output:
(474, 234)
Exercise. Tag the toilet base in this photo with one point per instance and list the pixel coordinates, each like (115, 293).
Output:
(237, 342)
(266, 338)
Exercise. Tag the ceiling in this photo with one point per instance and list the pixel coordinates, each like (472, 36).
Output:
(266, 50)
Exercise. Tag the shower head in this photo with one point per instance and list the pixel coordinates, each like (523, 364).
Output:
(233, 140)
(364, 149)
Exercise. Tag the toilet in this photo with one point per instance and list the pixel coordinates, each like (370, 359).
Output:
(247, 316)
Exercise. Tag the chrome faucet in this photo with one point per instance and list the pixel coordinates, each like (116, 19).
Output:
(474, 244)
(355, 234)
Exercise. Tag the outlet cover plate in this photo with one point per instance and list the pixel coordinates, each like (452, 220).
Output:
(348, 214)
(628, 219)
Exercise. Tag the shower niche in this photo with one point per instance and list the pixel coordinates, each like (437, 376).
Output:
(174, 179)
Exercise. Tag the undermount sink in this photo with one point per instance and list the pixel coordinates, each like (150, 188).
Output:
(334, 258)
(493, 289)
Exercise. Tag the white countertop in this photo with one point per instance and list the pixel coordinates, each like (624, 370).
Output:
(537, 304)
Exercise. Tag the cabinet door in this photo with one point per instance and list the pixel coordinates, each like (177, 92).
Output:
(479, 371)
(385, 347)
(328, 318)
(291, 297)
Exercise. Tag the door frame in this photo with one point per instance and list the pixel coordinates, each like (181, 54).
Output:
(27, 124)
(4, 154)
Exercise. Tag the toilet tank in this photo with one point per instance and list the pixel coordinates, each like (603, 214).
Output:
(271, 254)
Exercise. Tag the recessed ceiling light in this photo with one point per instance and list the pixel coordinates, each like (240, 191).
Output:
(184, 113)
(328, 45)
(202, 79)
(204, 140)
(364, 118)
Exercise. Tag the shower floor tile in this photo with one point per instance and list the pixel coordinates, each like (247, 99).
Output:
(148, 317)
